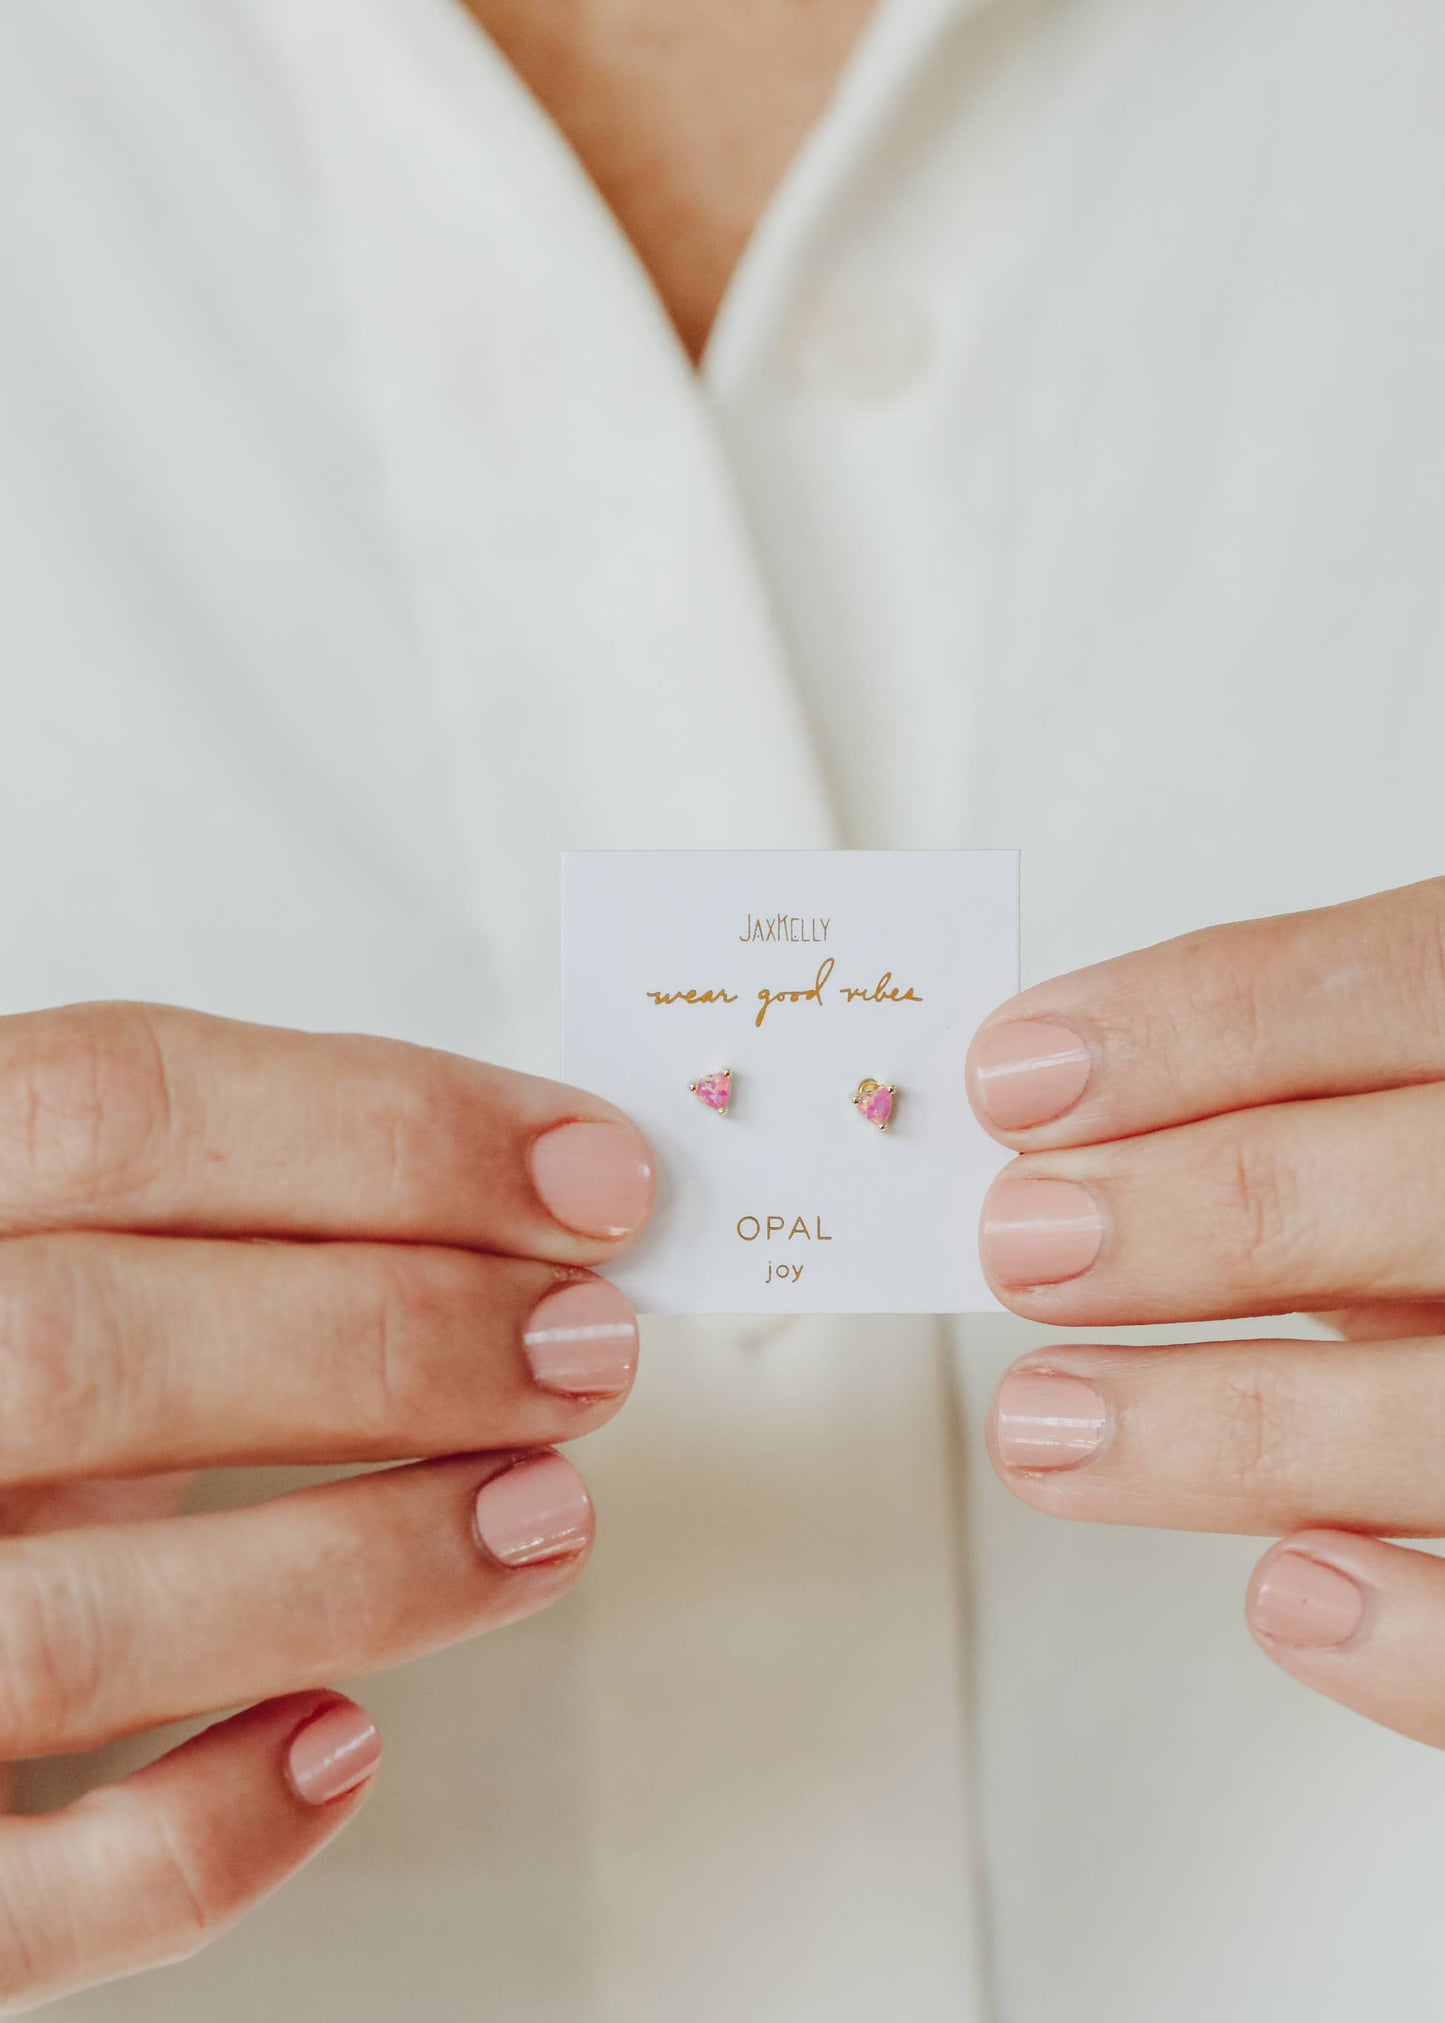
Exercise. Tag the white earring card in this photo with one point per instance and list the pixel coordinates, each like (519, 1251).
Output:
(804, 973)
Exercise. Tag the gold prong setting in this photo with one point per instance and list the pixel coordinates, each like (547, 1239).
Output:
(873, 1101)
(715, 1090)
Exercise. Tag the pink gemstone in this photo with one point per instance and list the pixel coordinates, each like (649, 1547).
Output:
(877, 1106)
(713, 1090)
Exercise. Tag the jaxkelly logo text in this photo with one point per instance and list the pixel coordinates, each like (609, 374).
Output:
(785, 927)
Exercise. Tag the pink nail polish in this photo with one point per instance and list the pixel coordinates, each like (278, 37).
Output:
(1047, 1421)
(1306, 1604)
(581, 1339)
(595, 1179)
(1039, 1232)
(1028, 1072)
(335, 1751)
(535, 1510)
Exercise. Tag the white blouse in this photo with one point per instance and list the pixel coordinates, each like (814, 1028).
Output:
(1066, 471)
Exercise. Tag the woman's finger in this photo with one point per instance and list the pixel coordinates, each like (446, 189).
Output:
(125, 1354)
(106, 1631)
(141, 1117)
(1360, 1621)
(150, 1870)
(1335, 1002)
(1297, 1206)
(1229, 1436)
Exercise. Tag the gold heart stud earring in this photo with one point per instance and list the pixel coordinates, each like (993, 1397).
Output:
(874, 1100)
(715, 1090)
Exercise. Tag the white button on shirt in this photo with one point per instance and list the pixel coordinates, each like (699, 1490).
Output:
(1063, 473)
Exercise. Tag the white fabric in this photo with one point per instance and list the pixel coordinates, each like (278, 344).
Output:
(1065, 472)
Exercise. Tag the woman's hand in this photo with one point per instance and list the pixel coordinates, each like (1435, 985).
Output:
(418, 1290)
(1245, 1121)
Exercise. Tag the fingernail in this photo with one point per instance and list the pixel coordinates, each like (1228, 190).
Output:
(335, 1751)
(596, 1179)
(1048, 1421)
(535, 1510)
(1304, 1603)
(1028, 1072)
(1037, 1232)
(582, 1339)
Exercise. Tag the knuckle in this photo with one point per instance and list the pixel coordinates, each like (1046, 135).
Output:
(190, 1898)
(55, 1661)
(184, 1885)
(1265, 1229)
(191, 1891)
(1251, 1002)
(408, 1304)
(53, 1366)
(407, 1123)
(85, 1105)
(1238, 983)
(1256, 1430)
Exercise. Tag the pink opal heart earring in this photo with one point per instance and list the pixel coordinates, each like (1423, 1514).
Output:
(715, 1090)
(874, 1100)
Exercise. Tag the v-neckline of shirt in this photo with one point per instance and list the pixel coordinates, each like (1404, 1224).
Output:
(892, 42)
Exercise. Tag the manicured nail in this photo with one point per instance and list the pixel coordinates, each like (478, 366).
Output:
(582, 1339)
(1302, 1602)
(1028, 1072)
(596, 1179)
(1037, 1232)
(335, 1751)
(1043, 1421)
(536, 1509)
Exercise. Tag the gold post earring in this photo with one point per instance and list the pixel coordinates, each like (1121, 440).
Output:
(874, 1100)
(715, 1089)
